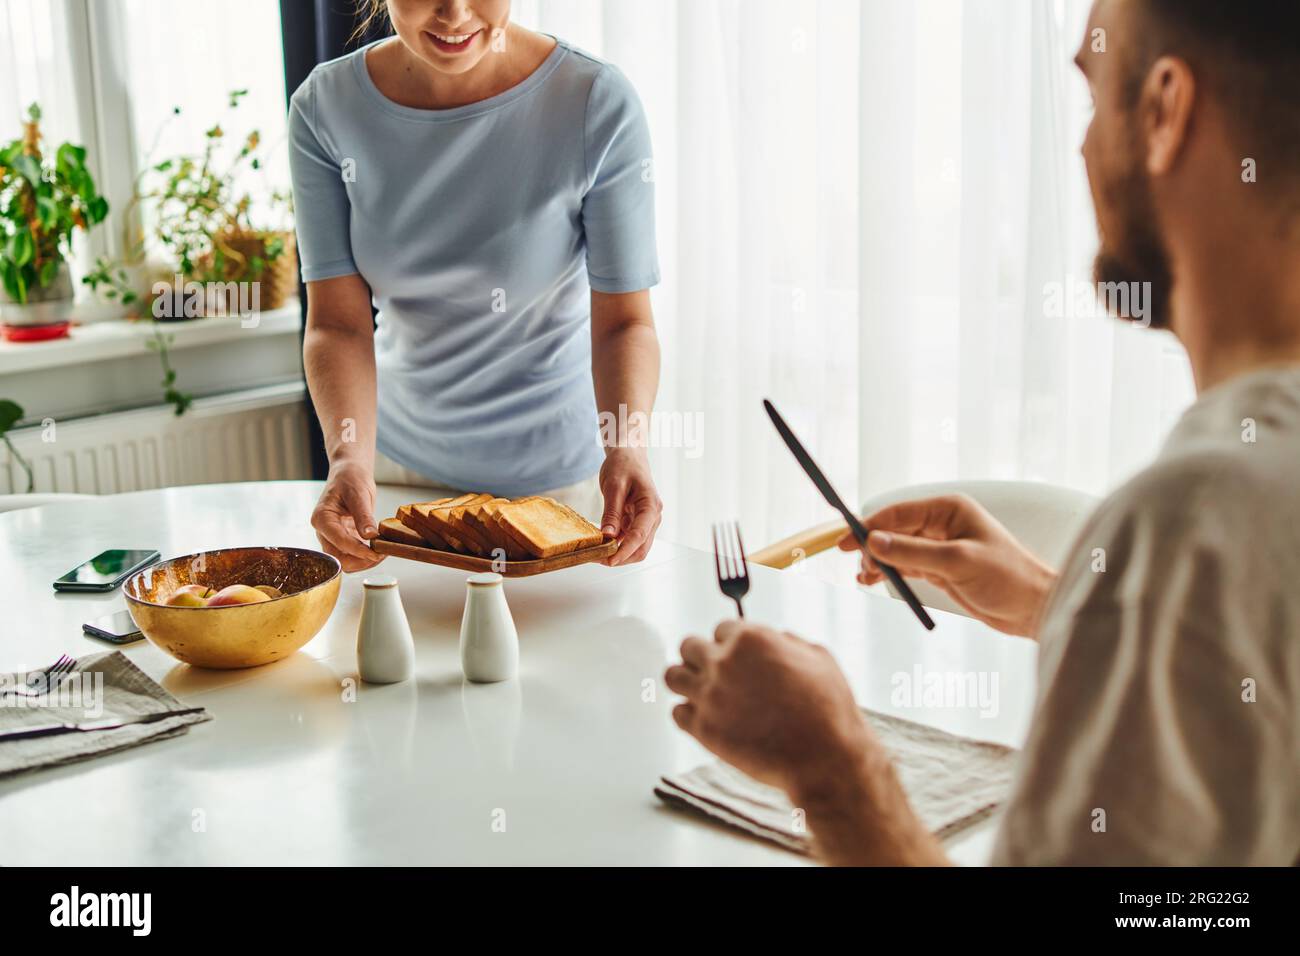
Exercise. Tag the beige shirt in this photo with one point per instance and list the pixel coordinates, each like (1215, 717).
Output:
(1167, 728)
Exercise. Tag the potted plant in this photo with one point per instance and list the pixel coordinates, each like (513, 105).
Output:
(205, 221)
(41, 204)
(10, 414)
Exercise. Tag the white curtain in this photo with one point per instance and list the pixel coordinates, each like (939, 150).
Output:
(34, 40)
(37, 39)
(864, 207)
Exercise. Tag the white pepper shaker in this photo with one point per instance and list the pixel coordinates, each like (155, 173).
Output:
(489, 643)
(385, 649)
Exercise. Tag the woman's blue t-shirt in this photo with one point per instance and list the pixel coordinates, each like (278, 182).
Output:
(481, 231)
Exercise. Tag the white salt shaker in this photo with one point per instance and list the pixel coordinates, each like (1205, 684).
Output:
(385, 649)
(489, 643)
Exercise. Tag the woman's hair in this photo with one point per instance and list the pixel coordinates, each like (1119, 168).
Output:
(371, 17)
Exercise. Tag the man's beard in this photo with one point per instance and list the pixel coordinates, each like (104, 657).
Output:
(1133, 253)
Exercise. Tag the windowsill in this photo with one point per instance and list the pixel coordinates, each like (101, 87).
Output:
(108, 366)
(126, 338)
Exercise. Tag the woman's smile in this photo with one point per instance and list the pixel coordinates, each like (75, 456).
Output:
(453, 42)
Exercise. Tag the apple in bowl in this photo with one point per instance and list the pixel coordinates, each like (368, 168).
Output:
(238, 594)
(200, 595)
(190, 595)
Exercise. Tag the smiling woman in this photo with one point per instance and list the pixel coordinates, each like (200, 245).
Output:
(488, 188)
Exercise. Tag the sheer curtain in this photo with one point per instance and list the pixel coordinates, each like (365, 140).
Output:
(37, 40)
(864, 209)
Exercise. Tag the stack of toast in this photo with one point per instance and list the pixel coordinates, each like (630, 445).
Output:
(484, 526)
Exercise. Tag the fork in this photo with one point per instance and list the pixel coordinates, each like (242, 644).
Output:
(729, 558)
(41, 683)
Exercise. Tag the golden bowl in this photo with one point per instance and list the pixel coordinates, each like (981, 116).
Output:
(236, 635)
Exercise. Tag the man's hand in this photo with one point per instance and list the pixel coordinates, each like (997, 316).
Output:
(778, 708)
(344, 518)
(769, 703)
(633, 508)
(953, 543)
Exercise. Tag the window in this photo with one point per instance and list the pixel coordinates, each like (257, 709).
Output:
(110, 75)
(207, 51)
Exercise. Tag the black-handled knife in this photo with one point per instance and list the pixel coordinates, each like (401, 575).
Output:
(105, 723)
(808, 465)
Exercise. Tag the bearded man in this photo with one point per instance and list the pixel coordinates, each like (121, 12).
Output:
(1169, 682)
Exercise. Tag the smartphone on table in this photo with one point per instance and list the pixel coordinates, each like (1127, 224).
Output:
(106, 571)
(116, 628)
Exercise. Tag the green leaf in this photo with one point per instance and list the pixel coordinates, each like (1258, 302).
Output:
(49, 269)
(97, 209)
(10, 414)
(86, 188)
(34, 112)
(21, 249)
(14, 283)
(28, 168)
(47, 211)
(71, 157)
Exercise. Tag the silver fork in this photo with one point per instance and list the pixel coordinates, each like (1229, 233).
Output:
(40, 683)
(729, 559)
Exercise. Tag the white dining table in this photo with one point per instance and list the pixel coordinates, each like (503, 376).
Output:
(302, 764)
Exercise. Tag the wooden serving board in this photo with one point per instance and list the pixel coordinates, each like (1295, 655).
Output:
(509, 569)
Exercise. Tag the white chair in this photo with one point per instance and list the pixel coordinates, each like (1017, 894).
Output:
(1044, 517)
(18, 502)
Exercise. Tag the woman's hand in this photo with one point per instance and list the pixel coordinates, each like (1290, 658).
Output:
(953, 543)
(344, 518)
(633, 508)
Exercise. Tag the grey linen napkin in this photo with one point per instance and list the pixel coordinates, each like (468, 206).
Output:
(951, 782)
(107, 682)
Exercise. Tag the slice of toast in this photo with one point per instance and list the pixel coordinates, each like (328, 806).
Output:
(429, 537)
(469, 536)
(390, 529)
(482, 518)
(492, 516)
(429, 519)
(545, 528)
(439, 519)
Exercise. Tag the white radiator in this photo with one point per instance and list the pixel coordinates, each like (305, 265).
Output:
(244, 436)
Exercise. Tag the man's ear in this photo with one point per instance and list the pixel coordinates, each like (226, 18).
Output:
(1168, 96)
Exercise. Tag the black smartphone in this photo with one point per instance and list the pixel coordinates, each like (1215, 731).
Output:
(116, 628)
(105, 571)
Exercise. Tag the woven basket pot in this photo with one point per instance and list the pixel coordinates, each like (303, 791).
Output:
(278, 279)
